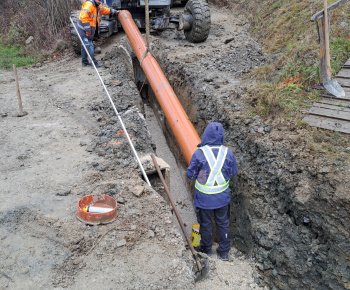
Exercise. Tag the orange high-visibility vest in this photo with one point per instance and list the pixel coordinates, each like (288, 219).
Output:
(90, 15)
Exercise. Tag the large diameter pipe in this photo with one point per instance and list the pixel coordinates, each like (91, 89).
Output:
(181, 126)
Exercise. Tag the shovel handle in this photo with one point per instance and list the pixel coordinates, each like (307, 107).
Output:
(194, 253)
(326, 36)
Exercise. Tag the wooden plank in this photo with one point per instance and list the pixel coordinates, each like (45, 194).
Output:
(332, 107)
(343, 82)
(347, 90)
(345, 99)
(325, 123)
(330, 113)
(335, 102)
(344, 73)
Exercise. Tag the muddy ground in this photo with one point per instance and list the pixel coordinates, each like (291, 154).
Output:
(68, 146)
(290, 206)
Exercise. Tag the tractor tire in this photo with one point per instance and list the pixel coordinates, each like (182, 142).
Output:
(74, 38)
(199, 9)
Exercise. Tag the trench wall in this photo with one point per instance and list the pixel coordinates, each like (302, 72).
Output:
(289, 213)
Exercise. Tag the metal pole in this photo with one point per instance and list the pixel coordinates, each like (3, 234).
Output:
(114, 108)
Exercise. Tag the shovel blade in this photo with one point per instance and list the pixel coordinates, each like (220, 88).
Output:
(334, 88)
(200, 275)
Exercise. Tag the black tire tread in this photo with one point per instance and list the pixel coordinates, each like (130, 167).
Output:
(74, 38)
(201, 20)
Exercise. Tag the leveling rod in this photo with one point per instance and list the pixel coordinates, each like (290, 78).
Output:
(113, 106)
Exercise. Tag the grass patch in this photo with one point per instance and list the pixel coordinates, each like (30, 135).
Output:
(10, 55)
(339, 49)
(284, 84)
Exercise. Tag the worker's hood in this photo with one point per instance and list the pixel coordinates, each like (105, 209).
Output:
(213, 135)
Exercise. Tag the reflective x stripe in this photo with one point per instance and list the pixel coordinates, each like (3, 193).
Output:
(215, 164)
(215, 174)
(215, 171)
(209, 155)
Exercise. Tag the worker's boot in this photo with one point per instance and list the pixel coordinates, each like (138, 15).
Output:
(98, 64)
(205, 251)
(222, 256)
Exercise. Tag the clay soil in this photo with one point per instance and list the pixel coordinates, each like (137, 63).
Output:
(50, 159)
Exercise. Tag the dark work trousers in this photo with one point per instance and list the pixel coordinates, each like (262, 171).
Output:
(221, 216)
(90, 47)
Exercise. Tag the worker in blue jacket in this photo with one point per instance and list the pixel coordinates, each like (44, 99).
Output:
(212, 165)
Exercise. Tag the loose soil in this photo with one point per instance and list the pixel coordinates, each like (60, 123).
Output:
(290, 206)
(54, 155)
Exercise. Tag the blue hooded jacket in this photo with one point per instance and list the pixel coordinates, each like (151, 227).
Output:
(199, 168)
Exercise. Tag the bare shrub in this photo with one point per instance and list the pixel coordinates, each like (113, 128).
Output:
(45, 20)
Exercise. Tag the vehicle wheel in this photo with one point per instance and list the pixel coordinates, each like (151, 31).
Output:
(74, 38)
(199, 9)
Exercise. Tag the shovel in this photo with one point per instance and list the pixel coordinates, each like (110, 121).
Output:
(331, 86)
(203, 270)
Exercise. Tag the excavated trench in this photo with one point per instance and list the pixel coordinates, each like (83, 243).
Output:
(166, 148)
(288, 211)
(288, 214)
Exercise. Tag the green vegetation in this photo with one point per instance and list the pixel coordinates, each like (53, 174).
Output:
(276, 5)
(10, 55)
(340, 49)
(285, 82)
(286, 86)
(45, 21)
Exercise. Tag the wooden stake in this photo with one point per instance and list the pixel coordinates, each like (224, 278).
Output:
(18, 93)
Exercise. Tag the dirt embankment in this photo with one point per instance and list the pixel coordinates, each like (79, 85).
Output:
(290, 204)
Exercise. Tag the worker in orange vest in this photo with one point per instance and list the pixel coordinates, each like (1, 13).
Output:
(88, 24)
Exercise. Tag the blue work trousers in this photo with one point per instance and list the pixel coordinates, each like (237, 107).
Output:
(221, 217)
(90, 47)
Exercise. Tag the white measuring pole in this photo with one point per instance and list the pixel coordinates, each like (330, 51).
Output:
(114, 108)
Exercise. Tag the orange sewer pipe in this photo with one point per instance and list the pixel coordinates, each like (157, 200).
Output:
(184, 132)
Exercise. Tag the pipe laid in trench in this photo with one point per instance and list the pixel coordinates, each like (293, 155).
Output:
(184, 132)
